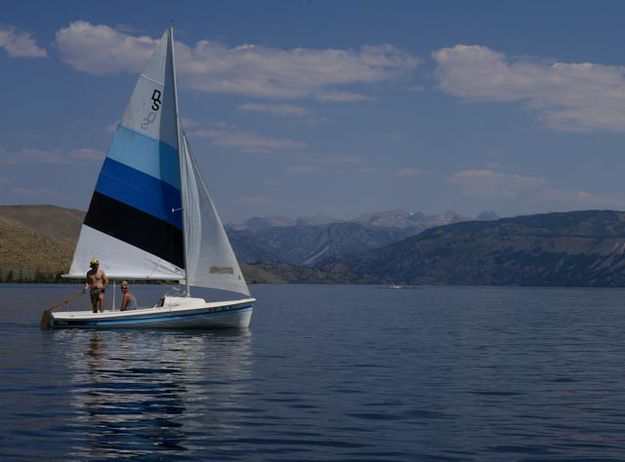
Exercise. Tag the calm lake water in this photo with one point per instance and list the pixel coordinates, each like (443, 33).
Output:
(325, 373)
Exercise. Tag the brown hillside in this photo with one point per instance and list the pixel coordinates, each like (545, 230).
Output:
(37, 238)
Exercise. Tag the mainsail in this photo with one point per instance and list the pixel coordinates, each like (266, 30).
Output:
(151, 216)
(211, 261)
(134, 222)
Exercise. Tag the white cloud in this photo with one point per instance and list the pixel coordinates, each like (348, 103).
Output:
(580, 199)
(19, 44)
(313, 162)
(87, 154)
(295, 114)
(40, 156)
(336, 96)
(565, 96)
(534, 190)
(280, 110)
(415, 88)
(250, 70)
(491, 183)
(36, 193)
(51, 156)
(102, 49)
(189, 123)
(409, 171)
(232, 137)
(300, 168)
(337, 159)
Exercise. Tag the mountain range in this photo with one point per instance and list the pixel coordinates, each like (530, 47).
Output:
(308, 241)
(556, 249)
(584, 248)
(40, 240)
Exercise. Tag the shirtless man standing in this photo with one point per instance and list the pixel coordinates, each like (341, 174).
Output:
(96, 283)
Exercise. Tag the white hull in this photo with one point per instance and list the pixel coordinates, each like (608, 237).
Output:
(175, 313)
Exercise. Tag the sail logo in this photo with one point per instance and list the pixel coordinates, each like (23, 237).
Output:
(156, 105)
(156, 100)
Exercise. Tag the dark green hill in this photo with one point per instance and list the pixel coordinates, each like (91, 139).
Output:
(555, 249)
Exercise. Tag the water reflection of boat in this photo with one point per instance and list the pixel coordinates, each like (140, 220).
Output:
(134, 391)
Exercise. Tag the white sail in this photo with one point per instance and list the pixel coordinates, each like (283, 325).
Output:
(134, 222)
(210, 259)
(151, 217)
(118, 259)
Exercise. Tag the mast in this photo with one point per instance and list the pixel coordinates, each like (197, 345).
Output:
(182, 177)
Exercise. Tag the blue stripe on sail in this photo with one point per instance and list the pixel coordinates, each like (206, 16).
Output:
(146, 154)
(141, 191)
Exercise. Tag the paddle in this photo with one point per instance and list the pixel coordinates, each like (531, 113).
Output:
(45, 317)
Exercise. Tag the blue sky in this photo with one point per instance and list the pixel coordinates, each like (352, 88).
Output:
(336, 108)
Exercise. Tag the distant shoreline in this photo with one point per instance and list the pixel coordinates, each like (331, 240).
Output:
(371, 284)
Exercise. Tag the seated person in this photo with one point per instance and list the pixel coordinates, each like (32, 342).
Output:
(129, 302)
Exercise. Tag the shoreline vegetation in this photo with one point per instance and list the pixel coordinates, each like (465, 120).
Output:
(266, 272)
(42, 277)
(38, 277)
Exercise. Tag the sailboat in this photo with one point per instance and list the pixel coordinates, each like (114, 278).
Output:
(151, 217)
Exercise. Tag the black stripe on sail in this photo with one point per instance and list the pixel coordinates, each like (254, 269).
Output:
(136, 228)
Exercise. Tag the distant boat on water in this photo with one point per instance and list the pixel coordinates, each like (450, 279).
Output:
(398, 286)
(151, 218)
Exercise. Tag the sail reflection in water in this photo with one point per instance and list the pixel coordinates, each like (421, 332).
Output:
(135, 393)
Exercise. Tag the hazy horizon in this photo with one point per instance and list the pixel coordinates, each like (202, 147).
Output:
(354, 216)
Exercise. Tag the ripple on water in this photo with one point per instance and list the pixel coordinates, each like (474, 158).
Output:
(327, 373)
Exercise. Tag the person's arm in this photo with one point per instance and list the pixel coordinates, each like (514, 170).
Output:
(105, 280)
